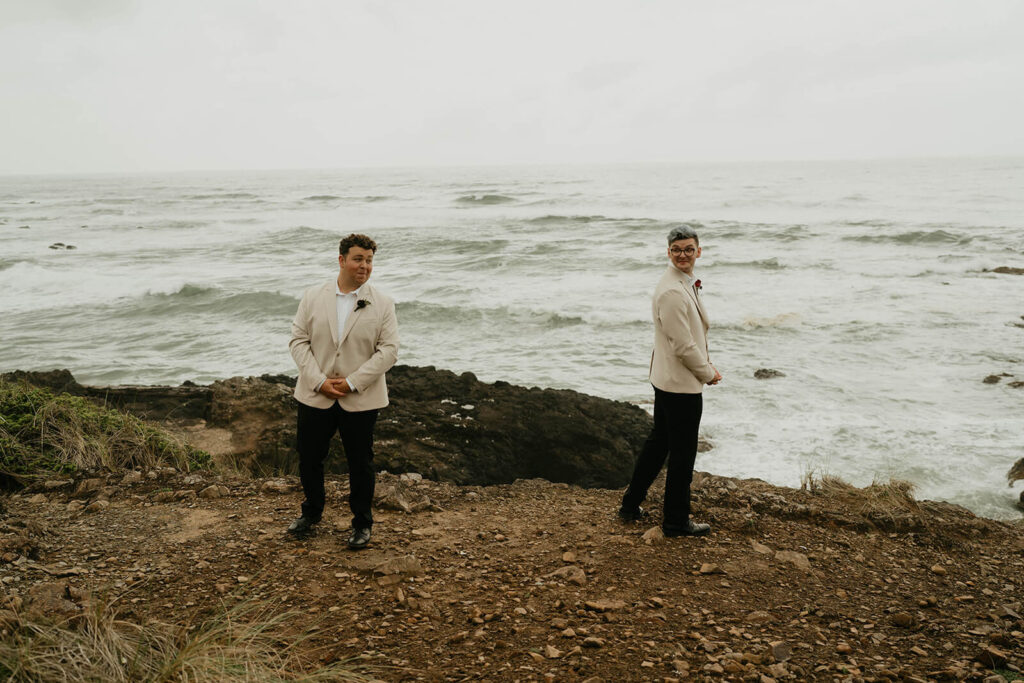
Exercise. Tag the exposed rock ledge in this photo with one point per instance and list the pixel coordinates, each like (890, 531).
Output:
(448, 427)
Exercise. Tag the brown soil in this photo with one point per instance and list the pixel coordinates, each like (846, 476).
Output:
(540, 581)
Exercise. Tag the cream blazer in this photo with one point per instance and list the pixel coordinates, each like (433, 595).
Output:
(362, 352)
(679, 363)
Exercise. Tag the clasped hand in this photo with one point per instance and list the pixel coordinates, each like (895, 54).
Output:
(335, 387)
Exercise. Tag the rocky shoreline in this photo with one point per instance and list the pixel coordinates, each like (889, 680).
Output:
(444, 426)
(521, 580)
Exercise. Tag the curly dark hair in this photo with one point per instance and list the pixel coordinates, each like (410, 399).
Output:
(356, 240)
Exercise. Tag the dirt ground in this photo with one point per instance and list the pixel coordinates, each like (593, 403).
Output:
(541, 581)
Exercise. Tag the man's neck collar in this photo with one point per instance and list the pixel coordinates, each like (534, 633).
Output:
(338, 290)
(689, 276)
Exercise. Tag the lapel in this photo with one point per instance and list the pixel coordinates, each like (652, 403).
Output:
(688, 288)
(366, 293)
(327, 306)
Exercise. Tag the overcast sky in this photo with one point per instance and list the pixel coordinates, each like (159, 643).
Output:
(113, 85)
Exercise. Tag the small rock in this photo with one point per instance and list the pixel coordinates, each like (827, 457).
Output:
(604, 605)
(408, 565)
(214, 491)
(87, 487)
(75, 506)
(276, 486)
(97, 506)
(653, 535)
(569, 556)
(411, 477)
(767, 373)
(38, 499)
(903, 619)
(164, 496)
(760, 548)
(53, 484)
(798, 560)
(938, 569)
(844, 648)
(570, 573)
(758, 617)
(242, 579)
(552, 652)
(568, 633)
(131, 477)
(992, 657)
(781, 650)
(593, 641)
(711, 568)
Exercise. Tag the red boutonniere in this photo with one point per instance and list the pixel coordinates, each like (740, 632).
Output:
(696, 285)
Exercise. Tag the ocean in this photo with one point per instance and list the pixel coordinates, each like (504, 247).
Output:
(865, 283)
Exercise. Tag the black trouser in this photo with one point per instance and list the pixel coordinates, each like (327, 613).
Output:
(676, 423)
(316, 427)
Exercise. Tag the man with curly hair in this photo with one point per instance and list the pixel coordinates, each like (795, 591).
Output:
(344, 338)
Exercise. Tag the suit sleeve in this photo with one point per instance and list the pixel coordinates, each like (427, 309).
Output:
(384, 356)
(300, 348)
(672, 307)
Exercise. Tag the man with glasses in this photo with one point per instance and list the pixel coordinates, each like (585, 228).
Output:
(679, 370)
(344, 338)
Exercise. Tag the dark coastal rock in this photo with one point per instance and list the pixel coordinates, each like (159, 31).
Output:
(1008, 270)
(995, 379)
(1016, 472)
(60, 381)
(767, 373)
(445, 426)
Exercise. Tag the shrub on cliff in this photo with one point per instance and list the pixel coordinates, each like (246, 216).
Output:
(41, 431)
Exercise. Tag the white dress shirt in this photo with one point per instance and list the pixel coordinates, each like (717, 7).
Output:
(345, 303)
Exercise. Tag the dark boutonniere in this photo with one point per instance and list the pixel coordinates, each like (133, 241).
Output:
(362, 303)
(696, 285)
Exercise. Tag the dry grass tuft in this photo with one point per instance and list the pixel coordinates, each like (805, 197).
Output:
(880, 499)
(45, 432)
(246, 643)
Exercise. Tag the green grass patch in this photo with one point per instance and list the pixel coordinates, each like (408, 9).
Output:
(42, 432)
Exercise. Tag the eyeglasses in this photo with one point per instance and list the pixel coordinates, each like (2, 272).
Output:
(676, 251)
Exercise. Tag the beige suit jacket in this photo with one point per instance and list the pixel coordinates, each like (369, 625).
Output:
(362, 352)
(680, 362)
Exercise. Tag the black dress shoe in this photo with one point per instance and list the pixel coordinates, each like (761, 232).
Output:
(691, 529)
(359, 539)
(633, 514)
(302, 526)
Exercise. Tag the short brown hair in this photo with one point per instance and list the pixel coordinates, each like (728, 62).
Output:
(356, 240)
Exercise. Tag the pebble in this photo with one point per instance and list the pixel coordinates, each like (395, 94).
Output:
(593, 641)
(38, 498)
(903, 619)
(653, 535)
(844, 648)
(938, 569)
(781, 650)
(711, 568)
